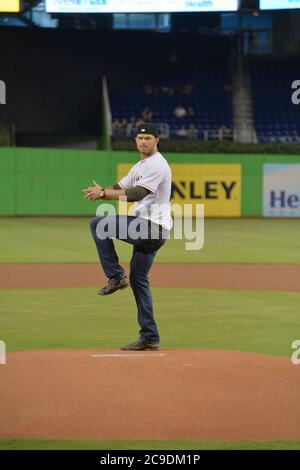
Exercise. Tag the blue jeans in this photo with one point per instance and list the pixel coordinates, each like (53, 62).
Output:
(145, 246)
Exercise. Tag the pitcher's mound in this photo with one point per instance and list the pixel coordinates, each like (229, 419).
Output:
(168, 394)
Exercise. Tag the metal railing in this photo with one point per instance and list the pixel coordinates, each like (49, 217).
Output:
(279, 139)
(127, 130)
(234, 135)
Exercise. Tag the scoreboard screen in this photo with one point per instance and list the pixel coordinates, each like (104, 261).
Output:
(139, 6)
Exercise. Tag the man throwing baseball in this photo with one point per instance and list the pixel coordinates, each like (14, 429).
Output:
(148, 184)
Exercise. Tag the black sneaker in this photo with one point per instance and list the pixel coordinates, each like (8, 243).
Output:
(140, 345)
(113, 285)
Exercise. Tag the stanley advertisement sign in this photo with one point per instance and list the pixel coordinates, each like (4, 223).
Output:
(217, 186)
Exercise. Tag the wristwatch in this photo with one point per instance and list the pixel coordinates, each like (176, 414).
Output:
(102, 194)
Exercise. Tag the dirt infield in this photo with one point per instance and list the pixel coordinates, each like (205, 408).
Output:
(210, 276)
(168, 394)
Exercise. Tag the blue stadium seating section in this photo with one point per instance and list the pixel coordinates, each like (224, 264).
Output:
(277, 119)
(211, 103)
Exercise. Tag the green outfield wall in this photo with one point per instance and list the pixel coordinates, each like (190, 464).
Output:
(49, 182)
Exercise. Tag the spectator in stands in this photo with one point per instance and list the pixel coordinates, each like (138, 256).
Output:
(182, 132)
(188, 88)
(147, 114)
(124, 127)
(192, 132)
(116, 128)
(180, 111)
(139, 121)
(190, 112)
(130, 127)
(149, 89)
(167, 90)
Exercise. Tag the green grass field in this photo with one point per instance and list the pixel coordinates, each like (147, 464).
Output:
(68, 240)
(27, 444)
(262, 322)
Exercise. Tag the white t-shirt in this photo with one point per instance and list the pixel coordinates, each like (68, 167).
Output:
(152, 173)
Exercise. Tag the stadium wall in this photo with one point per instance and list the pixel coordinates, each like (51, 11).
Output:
(49, 182)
